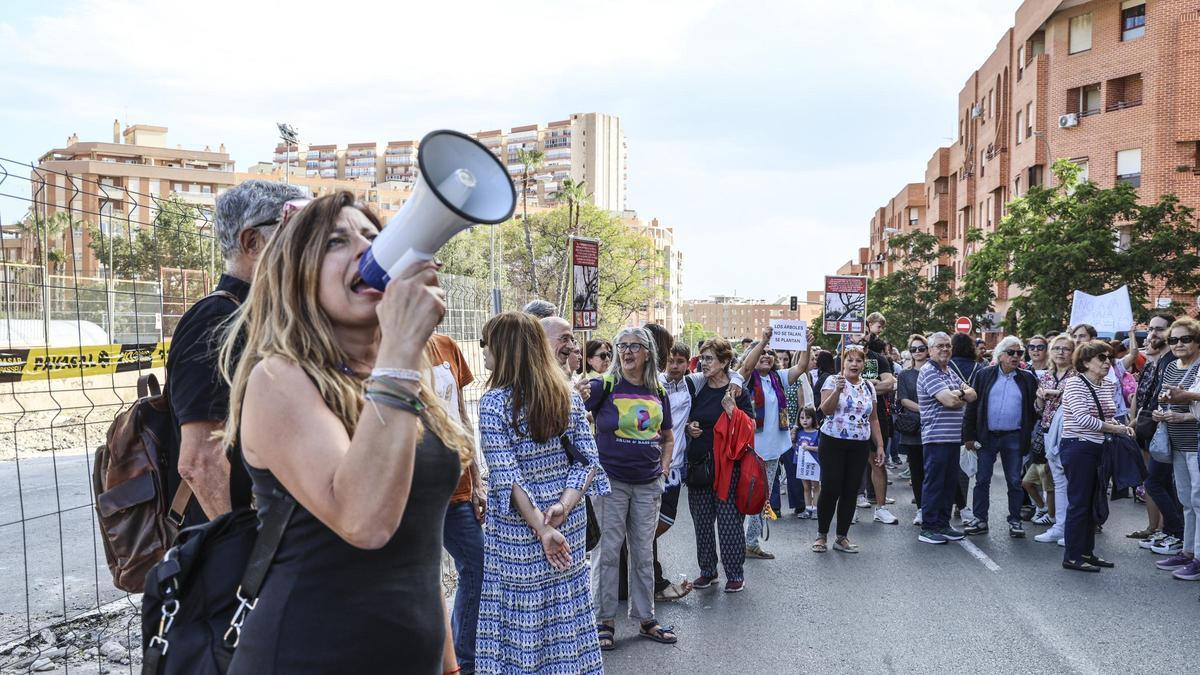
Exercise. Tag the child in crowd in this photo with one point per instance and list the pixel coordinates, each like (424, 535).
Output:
(806, 442)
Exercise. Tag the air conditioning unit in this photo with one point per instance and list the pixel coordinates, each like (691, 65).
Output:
(1067, 121)
(977, 111)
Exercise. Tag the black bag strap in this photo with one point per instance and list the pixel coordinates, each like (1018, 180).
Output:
(1092, 391)
(266, 544)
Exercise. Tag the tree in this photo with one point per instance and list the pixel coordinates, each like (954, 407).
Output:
(693, 333)
(172, 241)
(919, 296)
(1079, 236)
(531, 161)
(574, 194)
(820, 339)
(45, 232)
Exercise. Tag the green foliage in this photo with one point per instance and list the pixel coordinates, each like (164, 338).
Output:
(1079, 236)
(174, 241)
(913, 300)
(819, 337)
(693, 333)
(628, 260)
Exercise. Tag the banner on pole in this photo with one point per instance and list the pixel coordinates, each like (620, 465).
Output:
(845, 305)
(585, 284)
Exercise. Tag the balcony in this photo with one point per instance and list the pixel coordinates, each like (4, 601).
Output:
(558, 142)
(399, 160)
(360, 153)
(328, 173)
(523, 137)
(361, 161)
(1121, 105)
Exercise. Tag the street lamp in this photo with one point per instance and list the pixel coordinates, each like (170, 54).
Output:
(290, 137)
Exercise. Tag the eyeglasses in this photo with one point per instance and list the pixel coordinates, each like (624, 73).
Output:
(567, 337)
(634, 347)
(1102, 357)
(707, 358)
(1185, 339)
(1037, 348)
(1062, 350)
(603, 356)
(941, 347)
(918, 349)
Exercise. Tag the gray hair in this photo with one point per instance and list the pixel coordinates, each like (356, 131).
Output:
(940, 335)
(542, 309)
(1007, 343)
(650, 371)
(251, 203)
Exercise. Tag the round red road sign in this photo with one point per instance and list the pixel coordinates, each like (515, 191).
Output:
(963, 324)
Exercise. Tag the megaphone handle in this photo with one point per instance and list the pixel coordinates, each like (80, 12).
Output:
(410, 258)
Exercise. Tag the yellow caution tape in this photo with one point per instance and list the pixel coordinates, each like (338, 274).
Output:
(39, 363)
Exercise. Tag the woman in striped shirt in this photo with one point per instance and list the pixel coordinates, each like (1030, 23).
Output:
(1088, 412)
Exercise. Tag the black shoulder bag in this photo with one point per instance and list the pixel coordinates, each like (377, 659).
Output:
(193, 606)
(576, 456)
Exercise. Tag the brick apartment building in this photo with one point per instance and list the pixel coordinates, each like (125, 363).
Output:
(668, 278)
(587, 147)
(1113, 85)
(735, 318)
(116, 185)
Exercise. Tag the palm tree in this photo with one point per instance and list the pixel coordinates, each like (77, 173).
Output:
(44, 230)
(574, 194)
(531, 161)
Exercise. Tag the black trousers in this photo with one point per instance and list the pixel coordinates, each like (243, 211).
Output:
(916, 467)
(842, 465)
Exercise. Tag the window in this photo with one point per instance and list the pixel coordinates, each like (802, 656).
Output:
(1020, 128)
(1035, 176)
(1129, 167)
(960, 132)
(913, 216)
(982, 159)
(1080, 39)
(1017, 186)
(990, 106)
(1089, 100)
(1133, 19)
(1028, 119)
(1083, 168)
(1124, 92)
(1020, 62)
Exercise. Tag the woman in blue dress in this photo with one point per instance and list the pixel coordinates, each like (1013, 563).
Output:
(536, 613)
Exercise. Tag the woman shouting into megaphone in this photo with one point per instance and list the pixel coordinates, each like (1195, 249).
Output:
(330, 410)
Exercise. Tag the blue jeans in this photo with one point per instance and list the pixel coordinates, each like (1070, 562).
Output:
(795, 487)
(1160, 486)
(1006, 444)
(1080, 459)
(941, 482)
(462, 535)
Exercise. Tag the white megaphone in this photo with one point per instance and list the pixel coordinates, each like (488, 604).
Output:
(461, 183)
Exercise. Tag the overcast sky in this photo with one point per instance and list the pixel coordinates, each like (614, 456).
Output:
(765, 133)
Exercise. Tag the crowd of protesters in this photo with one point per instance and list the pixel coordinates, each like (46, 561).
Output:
(344, 400)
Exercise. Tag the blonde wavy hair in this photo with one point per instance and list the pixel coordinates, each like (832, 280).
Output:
(283, 317)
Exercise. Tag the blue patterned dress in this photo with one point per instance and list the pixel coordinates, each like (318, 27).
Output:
(533, 618)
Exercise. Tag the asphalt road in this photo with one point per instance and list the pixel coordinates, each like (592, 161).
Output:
(901, 606)
(51, 559)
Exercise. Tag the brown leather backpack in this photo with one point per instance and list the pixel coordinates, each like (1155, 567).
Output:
(129, 477)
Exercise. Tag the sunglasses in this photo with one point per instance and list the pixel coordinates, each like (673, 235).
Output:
(1037, 348)
(1014, 352)
(602, 355)
(1185, 339)
(1103, 358)
(918, 349)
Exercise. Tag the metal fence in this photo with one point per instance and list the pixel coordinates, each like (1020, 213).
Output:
(59, 611)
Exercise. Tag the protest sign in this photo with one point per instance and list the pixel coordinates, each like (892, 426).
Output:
(1107, 313)
(789, 334)
(845, 305)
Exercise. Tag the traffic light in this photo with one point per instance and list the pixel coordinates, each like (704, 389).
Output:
(794, 303)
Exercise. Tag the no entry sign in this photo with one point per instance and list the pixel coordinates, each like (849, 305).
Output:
(963, 324)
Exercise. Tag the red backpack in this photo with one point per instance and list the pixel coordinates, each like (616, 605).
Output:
(750, 493)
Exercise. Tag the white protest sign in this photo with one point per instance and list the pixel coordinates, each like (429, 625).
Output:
(789, 334)
(808, 468)
(1108, 313)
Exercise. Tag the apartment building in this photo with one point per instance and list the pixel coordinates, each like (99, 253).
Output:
(1113, 85)
(667, 277)
(587, 147)
(116, 185)
(734, 318)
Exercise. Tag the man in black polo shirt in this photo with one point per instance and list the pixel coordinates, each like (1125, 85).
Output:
(246, 216)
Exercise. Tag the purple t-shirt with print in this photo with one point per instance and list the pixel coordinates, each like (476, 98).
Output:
(629, 425)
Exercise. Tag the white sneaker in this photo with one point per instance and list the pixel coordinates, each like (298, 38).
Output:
(1062, 542)
(863, 503)
(1042, 518)
(854, 521)
(884, 516)
(917, 518)
(967, 515)
(1048, 536)
(1168, 546)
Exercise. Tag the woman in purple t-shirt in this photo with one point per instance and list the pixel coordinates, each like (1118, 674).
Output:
(634, 440)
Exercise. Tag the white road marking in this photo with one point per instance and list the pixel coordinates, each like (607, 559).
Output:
(979, 555)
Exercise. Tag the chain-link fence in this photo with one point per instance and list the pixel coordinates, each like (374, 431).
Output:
(73, 342)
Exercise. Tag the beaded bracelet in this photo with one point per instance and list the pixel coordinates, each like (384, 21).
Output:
(392, 385)
(412, 405)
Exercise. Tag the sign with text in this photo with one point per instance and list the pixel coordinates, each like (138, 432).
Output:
(789, 334)
(963, 324)
(845, 305)
(585, 284)
(1107, 313)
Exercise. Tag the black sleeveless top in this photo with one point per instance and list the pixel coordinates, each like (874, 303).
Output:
(328, 607)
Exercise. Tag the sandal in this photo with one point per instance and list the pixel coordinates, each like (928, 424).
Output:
(1140, 534)
(652, 630)
(843, 544)
(606, 635)
(674, 591)
(819, 545)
